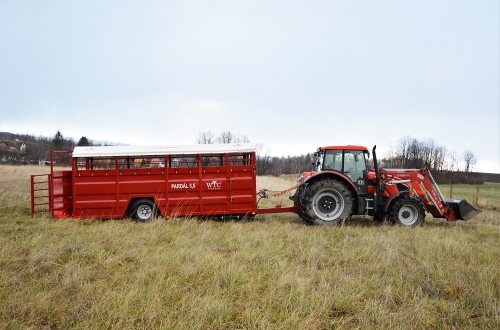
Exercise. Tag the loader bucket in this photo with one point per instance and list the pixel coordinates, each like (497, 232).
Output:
(463, 209)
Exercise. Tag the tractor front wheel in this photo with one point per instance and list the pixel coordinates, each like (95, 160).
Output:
(408, 211)
(326, 202)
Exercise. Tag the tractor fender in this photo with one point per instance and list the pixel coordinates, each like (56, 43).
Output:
(315, 176)
(388, 202)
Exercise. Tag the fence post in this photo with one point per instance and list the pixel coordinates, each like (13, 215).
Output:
(477, 195)
(451, 190)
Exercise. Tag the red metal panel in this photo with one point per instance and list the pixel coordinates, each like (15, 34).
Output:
(214, 191)
(183, 192)
(94, 194)
(62, 204)
(243, 186)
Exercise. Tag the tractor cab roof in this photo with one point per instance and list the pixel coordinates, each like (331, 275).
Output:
(347, 147)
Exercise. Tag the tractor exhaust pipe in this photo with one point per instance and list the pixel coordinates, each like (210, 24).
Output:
(463, 209)
(375, 164)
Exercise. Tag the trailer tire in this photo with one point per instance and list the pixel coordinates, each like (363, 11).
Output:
(326, 202)
(408, 211)
(144, 210)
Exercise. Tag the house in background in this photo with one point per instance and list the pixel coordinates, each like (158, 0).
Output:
(13, 152)
(22, 148)
(14, 146)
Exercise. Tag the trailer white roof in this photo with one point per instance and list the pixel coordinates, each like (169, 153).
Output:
(110, 151)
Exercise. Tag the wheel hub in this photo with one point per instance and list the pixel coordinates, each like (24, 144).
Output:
(144, 212)
(408, 214)
(327, 204)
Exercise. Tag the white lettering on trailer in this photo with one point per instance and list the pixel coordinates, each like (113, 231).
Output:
(214, 185)
(183, 186)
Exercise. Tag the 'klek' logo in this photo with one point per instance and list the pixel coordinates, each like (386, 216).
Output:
(214, 185)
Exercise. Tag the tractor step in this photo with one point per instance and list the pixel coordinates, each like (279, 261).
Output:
(463, 209)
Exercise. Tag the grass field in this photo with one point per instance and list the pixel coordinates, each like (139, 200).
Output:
(270, 272)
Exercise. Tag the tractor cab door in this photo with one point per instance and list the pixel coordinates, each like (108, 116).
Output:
(351, 163)
(355, 169)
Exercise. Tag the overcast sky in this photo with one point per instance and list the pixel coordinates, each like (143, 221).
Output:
(292, 75)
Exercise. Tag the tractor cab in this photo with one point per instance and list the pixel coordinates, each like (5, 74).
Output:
(349, 160)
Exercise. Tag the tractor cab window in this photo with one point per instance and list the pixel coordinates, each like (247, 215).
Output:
(332, 160)
(355, 165)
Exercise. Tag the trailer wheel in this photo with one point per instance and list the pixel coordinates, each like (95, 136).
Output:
(326, 202)
(144, 210)
(408, 211)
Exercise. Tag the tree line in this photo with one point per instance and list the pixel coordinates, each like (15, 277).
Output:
(37, 148)
(446, 166)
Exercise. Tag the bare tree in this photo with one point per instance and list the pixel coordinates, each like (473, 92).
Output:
(264, 159)
(402, 151)
(469, 160)
(295, 165)
(243, 139)
(205, 138)
(439, 155)
(229, 137)
(225, 137)
(452, 163)
(428, 146)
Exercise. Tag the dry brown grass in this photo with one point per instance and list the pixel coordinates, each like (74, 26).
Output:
(271, 272)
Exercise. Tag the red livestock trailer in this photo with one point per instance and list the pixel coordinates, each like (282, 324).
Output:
(140, 182)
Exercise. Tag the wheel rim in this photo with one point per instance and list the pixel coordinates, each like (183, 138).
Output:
(408, 215)
(144, 212)
(328, 204)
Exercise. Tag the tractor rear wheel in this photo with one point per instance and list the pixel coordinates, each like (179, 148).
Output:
(408, 211)
(144, 210)
(326, 202)
(297, 198)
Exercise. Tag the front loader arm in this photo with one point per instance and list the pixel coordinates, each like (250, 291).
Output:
(422, 184)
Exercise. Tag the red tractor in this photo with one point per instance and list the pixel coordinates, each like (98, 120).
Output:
(342, 185)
